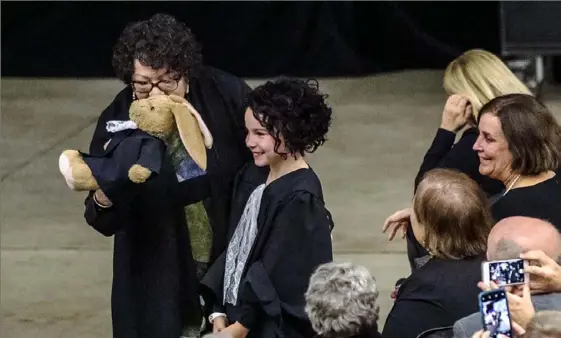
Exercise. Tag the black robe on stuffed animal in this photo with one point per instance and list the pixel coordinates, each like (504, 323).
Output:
(126, 148)
(293, 239)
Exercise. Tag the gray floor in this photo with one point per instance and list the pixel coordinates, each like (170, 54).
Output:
(56, 272)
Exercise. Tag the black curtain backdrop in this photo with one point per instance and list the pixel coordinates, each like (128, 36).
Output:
(253, 39)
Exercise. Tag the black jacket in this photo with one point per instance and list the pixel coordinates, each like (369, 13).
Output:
(436, 295)
(155, 291)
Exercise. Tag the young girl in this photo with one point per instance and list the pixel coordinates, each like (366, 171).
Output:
(280, 230)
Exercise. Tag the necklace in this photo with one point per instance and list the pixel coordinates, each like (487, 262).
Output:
(512, 184)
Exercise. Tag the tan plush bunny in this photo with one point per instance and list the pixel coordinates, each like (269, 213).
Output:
(137, 148)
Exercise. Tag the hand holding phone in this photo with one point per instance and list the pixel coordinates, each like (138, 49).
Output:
(505, 272)
(495, 314)
(544, 271)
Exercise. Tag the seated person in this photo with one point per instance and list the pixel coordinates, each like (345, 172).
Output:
(507, 240)
(451, 219)
(341, 302)
(472, 79)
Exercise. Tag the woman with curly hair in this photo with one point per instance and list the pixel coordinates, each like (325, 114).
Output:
(279, 226)
(170, 229)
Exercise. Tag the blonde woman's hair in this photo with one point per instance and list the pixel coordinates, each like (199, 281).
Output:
(481, 76)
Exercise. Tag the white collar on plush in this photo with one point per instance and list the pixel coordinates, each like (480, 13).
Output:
(116, 125)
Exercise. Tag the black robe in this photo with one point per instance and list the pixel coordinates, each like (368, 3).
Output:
(127, 147)
(293, 239)
(155, 290)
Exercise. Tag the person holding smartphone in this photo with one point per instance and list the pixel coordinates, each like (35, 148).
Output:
(508, 239)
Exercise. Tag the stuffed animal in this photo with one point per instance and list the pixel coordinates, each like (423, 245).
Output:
(137, 147)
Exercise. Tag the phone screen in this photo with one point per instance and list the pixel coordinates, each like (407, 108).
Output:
(494, 311)
(507, 272)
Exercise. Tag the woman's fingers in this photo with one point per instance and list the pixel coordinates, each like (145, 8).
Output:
(396, 217)
(396, 228)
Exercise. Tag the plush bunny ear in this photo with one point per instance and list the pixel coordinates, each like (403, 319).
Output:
(192, 130)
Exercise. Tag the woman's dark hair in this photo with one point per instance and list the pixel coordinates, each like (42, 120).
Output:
(531, 131)
(293, 110)
(159, 42)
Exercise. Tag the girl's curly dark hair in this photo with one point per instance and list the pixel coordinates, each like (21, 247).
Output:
(159, 42)
(294, 110)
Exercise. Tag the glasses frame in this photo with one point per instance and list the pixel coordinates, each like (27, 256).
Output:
(152, 85)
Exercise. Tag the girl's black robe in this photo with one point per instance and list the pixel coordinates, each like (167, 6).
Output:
(155, 289)
(294, 238)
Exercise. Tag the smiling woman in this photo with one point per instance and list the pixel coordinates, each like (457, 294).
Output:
(170, 229)
(519, 143)
(472, 79)
(280, 228)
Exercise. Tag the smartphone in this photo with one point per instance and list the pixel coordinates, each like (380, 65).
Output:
(505, 272)
(495, 314)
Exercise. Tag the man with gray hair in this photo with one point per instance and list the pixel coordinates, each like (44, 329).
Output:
(341, 301)
(509, 239)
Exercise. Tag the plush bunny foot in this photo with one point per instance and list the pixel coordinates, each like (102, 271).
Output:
(66, 170)
(139, 174)
(76, 173)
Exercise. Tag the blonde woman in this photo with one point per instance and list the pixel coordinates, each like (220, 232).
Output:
(471, 80)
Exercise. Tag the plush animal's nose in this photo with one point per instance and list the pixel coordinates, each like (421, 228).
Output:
(152, 108)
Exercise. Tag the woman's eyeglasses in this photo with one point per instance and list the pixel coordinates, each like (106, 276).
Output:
(166, 86)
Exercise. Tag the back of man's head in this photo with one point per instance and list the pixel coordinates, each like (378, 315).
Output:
(514, 235)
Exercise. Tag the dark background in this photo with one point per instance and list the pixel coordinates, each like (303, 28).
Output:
(253, 39)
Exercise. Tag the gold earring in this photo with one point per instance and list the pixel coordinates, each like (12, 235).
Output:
(133, 95)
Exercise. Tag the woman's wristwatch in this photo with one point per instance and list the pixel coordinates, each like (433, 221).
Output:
(215, 315)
